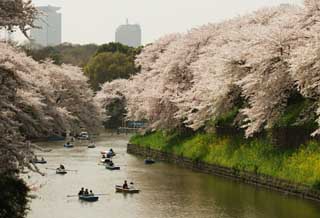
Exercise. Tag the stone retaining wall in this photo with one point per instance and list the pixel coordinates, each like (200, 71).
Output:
(260, 180)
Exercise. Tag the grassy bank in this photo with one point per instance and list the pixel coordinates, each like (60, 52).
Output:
(301, 165)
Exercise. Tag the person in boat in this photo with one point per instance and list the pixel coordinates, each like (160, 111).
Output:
(125, 185)
(111, 151)
(111, 163)
(86, 192)
(81, 192)
(62, 167)
(42, 159)
(91, 193)
(131, 185)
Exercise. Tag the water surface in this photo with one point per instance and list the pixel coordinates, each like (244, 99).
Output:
(166, 190)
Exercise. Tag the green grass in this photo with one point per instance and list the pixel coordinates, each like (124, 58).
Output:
(301, 165)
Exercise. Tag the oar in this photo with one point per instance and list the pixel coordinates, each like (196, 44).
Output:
(50, 168)
(65, 169)
(101, 194)
(72, 170)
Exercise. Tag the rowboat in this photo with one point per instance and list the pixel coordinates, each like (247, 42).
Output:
(105, 160)
(149, 161)
(92, 145)
(68, 145)
(36, 161)
(61, 171)
(108, 167)
(88, 198)
(129, 190)
(83, 136)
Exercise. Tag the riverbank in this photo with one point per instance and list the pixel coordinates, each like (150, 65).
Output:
(254, 160)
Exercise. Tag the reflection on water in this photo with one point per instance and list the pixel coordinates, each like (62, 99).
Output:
(166, 190)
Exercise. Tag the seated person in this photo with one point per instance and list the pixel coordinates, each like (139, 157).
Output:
(125, 185)
(62, 167)
(86, 192)
(81, 192)
(110, 152)
(91, 193)
(111, 163)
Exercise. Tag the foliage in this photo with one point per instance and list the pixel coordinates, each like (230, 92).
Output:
(301, 165)
(111, 61)
(107, 66)
(76, 55)
(112, 103)
(114, 47)
(13, 198)
(298, 113)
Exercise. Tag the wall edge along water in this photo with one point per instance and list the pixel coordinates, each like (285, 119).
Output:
(259, 180)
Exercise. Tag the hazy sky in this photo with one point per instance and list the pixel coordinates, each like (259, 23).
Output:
(95, 21)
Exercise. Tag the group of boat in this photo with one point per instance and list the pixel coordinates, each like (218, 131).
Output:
(106, 160)
(119, 189)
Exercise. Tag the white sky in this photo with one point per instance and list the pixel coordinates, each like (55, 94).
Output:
(95, 21)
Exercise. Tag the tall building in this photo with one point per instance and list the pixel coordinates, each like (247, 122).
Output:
(49, 33)
(129, 34)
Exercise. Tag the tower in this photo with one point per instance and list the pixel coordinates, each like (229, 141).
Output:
(129, 34)
(49, 33)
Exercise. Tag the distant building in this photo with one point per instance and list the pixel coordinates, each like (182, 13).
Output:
(49, 33)
(129, 34)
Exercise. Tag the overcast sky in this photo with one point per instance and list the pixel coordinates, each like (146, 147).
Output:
(95, 21)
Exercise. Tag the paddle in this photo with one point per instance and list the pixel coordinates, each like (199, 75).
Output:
(70, 196)
(72, 170)
(65, 170)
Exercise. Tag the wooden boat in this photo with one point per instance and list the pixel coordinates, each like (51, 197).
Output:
(149, 161)
(92, 145)
(108, 167)
(129, 190)
(36, 161)
(68, 145)
(105, 160)
(88, 198)
(61, 171)
(83, 136)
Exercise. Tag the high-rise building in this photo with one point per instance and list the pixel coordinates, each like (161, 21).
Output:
(49, 33)
(129, 34)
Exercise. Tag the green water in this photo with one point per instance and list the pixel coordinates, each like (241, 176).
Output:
(166, 190)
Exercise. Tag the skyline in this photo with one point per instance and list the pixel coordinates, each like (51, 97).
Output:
(96, 22)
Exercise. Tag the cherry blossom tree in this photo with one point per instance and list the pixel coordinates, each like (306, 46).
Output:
(40, 100)
(17, 13)
(261, 59)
